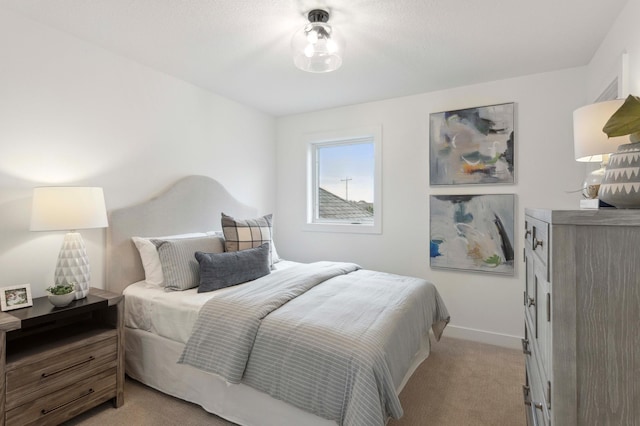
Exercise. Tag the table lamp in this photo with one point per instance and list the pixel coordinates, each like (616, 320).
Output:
(65, 208)
(591, 144)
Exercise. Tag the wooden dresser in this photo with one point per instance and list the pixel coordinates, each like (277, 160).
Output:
(58, 362)
(582, 317)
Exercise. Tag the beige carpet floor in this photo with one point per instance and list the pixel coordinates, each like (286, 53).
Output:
(461, 383)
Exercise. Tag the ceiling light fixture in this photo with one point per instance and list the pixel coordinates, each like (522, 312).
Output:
(316, 46)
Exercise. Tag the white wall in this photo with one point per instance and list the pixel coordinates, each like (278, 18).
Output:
(72, 113)
(483, 307)
(605, 65)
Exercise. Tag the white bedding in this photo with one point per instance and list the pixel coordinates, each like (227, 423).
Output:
(170, 314)
(158, 325)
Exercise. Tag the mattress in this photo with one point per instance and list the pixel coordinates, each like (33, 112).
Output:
(170, 314)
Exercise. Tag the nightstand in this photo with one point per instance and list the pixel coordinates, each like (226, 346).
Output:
(59, 362)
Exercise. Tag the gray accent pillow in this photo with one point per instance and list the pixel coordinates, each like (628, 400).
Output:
(219, 270)
(179, 267)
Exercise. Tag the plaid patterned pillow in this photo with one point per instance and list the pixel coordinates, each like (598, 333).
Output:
(247, 233)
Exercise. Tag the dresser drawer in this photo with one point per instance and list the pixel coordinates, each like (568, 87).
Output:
(530, 414)
(537, 300)
(40, 374)
(534, 397)
(65, 403)
(528, 231)
(543, 321)
(538, 241)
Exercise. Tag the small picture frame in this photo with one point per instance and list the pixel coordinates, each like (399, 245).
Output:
(15, 297)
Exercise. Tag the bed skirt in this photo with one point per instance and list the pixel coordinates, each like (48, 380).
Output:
(151, 359)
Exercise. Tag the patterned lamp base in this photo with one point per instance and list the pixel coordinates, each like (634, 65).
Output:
(73, 264)
(621, 184)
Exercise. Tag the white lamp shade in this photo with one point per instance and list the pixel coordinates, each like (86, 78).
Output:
(590, 143)
(64, 208)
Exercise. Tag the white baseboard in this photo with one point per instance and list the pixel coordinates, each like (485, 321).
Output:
(504, 340)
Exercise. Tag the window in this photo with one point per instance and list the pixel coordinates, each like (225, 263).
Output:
(344, 181)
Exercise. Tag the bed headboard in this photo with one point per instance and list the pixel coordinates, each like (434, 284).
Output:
(192, 204)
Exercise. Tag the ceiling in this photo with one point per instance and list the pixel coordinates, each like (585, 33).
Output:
(241, 48)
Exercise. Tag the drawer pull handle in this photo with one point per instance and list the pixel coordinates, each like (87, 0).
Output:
(525, 347)
(536, 243)
(532, 302)
(45, 411)
(538, 405)
(527, 233)
(525, 395)
(45, 375)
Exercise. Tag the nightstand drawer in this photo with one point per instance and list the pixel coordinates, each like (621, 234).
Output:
(66, 403)
(40, 374)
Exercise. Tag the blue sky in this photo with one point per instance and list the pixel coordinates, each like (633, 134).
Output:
(355, 162)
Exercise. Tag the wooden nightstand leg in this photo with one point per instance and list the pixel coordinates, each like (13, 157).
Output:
(119, 399)
(114, 317)
(3, 377)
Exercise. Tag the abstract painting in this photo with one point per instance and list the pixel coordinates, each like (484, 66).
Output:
(473, 232)
(472, 146)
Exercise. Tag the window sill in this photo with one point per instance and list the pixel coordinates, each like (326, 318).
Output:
(347, 228)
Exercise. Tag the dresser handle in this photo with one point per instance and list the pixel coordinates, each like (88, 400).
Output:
(525, 394)
(45, 375)
(45, 411)
(536, 243)
(538, 405)
(548, 307)
(532, 301)
(527, 233)
(525, 347)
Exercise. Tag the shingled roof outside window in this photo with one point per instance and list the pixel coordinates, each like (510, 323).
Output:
(333, 207)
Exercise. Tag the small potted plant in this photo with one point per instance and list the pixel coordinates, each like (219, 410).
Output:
(626, 120)
(61, 295)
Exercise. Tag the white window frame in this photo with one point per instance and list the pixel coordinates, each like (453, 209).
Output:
(346, 136)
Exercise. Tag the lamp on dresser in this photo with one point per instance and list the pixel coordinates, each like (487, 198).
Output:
(591, 144)
(68, 208)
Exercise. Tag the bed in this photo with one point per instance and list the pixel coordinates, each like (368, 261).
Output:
(324, 343)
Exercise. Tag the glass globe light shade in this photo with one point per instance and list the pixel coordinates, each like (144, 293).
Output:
(317, 48)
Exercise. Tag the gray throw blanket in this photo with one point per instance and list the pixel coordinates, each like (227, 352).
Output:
(326, 337)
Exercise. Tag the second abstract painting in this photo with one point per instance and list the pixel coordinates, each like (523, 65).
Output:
(473, 232)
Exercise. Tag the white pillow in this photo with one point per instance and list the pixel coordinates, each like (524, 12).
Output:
(149, 255)
(274, 254)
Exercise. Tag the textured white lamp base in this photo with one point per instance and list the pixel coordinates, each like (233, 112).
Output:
(73, 264)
